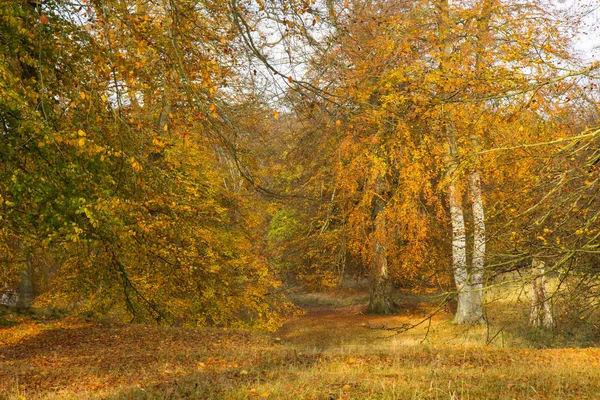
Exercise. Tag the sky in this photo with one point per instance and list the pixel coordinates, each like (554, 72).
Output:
(588, 43)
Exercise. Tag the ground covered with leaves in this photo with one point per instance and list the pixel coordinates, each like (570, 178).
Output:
(333, 351)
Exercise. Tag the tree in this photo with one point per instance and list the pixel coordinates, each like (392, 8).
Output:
(422, 91)
(106, 175)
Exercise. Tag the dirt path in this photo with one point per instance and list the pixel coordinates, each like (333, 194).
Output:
(328, 326)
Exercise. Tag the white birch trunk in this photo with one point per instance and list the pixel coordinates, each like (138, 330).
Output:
(475, 310)
(459, 237)
(459, 255)
(469, 282)
(462, 280)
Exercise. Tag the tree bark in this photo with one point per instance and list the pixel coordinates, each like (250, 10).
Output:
(541, 312)
(380, 301)
(25, 290)
(381, 294)
(469, 281)
(469, 298)
(477, 264)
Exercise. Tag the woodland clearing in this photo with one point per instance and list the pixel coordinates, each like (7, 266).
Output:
(178, 178)
(332, 351)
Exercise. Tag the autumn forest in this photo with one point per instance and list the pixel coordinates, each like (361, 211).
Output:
(320, 199)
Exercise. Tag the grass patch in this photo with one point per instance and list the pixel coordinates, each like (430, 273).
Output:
(333, 351)
(337, 298)
(4, 322)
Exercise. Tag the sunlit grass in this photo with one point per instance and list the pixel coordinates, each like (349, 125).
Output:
(334, 351)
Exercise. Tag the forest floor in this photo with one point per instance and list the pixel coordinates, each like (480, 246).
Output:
(332, 351)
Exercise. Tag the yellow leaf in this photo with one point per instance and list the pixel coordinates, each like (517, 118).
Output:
(103, 97)
(81, 142)
(346, 4)
(166, 127)
(338, 122)
(81, 133)
(82, 95)
(275, 114)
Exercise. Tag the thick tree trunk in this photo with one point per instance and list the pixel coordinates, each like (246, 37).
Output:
(469, 308)
(381, 301)
(381, 293)
(469, 282)
(541, 312)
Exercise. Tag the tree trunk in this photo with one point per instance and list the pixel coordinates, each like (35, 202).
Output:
(469, 283)
(541, 312)
(476, 276)
(459, 240)
(25, 290)
(381, 301)
(381, 293)
(468, 287)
